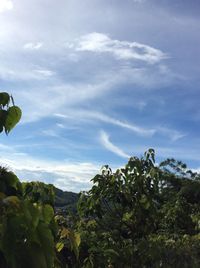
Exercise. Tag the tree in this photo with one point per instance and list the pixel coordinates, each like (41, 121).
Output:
(141, 216)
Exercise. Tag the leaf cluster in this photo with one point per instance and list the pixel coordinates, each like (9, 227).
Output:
(10, 115)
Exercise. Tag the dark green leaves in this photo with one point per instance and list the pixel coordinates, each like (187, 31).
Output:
(3, 115)
(4, 99)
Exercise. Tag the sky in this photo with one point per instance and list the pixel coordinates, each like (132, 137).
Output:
(99, 81)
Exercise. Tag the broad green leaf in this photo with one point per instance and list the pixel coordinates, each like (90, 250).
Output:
(4, 99)
(59, 246)
(13, 117)
(47, 243)
(32, 213)
(48, 213)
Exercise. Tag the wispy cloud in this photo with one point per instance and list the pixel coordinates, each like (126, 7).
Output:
(105, 141)
(50, 133)
(6, 5)
(60, 125)
(44, 72)
(133, 127)
(124, 50)
(56, 98)
(93, 115)
(33, 46)
(24, 73)
(81, 115)
(173, 134)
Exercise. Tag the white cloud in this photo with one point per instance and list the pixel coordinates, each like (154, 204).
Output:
(44, 72)
(57, 98)
(104, 139)
(60, 125)
(67, 175)
(33, 46)
(5, 5)
(133, 127)
(50, 133)
(82, 115)
(24, 73)
(124, 50)
(174, 135)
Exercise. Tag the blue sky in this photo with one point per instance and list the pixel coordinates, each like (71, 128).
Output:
(99, 81)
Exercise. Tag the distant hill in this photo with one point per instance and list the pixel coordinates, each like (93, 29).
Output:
(65, 200)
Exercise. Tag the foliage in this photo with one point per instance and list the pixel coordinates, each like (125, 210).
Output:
(9, 115)
(142, 215)
(31, 234)
(28, 228)
(66, 200)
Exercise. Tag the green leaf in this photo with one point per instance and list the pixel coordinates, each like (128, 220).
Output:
(32, 213)
(47, 243)
(127, 216)
(88, 262)
(59, 246)
(144, 201)
(12, 201)
(48, 213)
(11, 180)
(111, 251)
(77, 239)
(4, 99)
(65, 233)
(13, 117)
(3, 116)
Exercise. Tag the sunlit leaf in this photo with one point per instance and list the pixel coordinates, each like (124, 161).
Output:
(59, 246)
(77, 239)
(13, 117)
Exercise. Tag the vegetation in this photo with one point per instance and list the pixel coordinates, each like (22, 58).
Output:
(9, 114)
(65, 200)
(142, 215)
